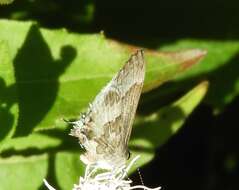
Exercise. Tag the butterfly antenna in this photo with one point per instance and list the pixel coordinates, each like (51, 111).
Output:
(66, 120)
(140, 177)
(69, 121)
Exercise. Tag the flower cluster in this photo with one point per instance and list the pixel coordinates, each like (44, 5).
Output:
(95, 179)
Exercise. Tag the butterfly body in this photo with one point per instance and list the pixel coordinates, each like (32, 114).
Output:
(105, 128)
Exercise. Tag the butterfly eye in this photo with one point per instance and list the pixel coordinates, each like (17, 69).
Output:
(90, 119)
(128, 155)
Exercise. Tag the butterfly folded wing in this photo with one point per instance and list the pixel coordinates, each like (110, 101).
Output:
(108, 121)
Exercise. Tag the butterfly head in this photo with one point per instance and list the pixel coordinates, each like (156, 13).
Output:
(81, 130)
(128, 154)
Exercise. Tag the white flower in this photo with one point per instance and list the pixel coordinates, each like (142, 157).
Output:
(95, 179)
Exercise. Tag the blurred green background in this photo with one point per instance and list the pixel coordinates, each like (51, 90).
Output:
(204, 154)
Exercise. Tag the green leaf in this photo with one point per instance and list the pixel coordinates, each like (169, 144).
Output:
(27, 156)
(154, 130)
(23, 173)
(44, 103)
(162, 66)
(62, 166)
(59, 73)
(8, 105)
(68, 167)
(35, 143)
(56, 75)
(220, 67)
(6, 1)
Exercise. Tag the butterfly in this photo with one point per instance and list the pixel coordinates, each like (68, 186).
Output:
(104, 130)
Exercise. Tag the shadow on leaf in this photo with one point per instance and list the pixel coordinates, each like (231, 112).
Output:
(37, 76)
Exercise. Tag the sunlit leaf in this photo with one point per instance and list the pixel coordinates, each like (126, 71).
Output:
(220, 67)
(59, 73)
(8, 105)
(23, 173)
(6, 1)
